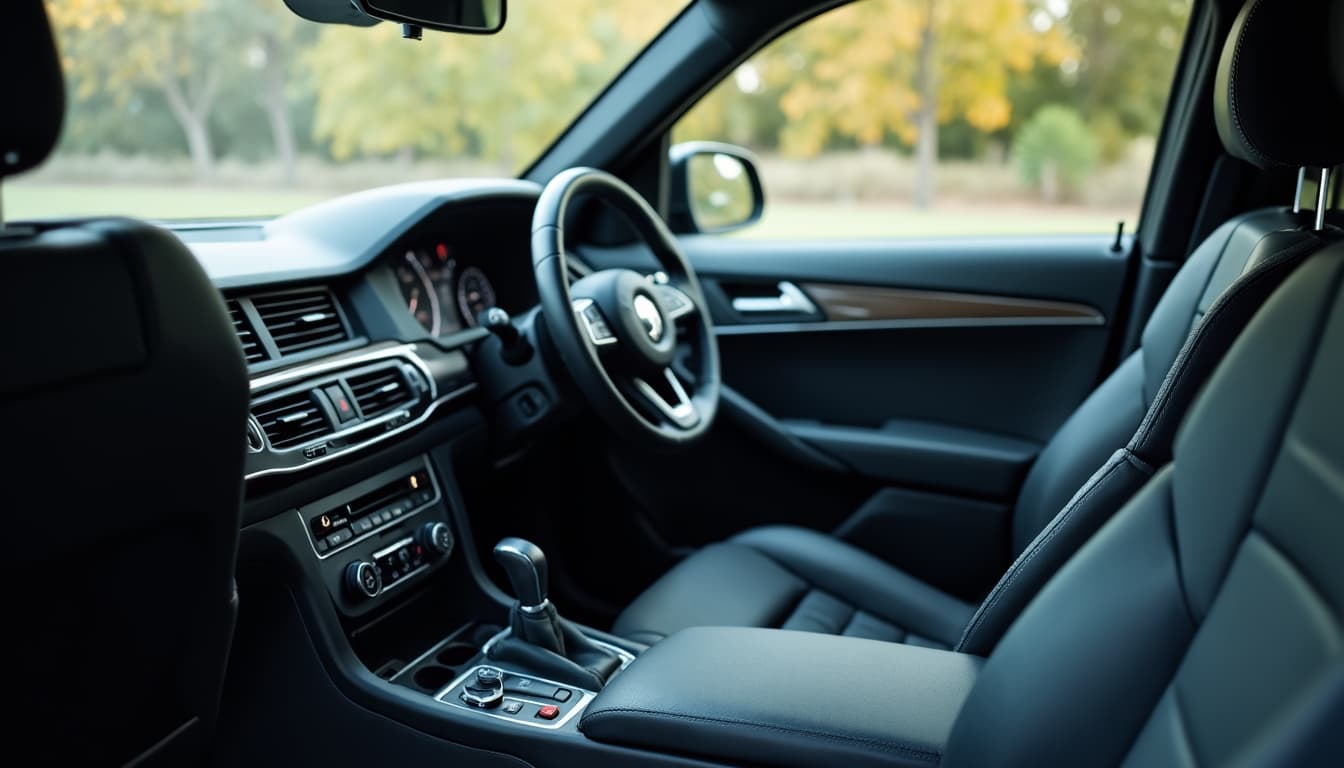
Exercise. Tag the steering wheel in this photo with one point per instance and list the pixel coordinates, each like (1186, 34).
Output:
(616, 329)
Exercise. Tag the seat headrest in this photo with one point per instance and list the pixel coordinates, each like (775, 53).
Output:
(34, 92)
(1276, 99)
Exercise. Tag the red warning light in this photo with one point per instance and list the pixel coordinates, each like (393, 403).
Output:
(345, 407)
(441, 250)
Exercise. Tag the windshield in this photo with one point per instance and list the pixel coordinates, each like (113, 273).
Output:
(182, 109)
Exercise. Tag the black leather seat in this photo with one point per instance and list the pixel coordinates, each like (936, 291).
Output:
(1204, 624)
(124, 399)
(800, 579)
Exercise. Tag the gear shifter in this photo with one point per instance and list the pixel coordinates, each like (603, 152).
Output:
(525, 564)
(539, 640)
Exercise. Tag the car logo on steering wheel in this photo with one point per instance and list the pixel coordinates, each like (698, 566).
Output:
(648, 314)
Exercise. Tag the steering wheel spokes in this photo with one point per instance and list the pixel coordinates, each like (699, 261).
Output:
(618, 331)
(668, 399)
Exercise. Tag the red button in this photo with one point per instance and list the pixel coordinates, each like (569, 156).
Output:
(548, 712)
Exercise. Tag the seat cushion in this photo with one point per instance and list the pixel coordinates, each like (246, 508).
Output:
(795, 578)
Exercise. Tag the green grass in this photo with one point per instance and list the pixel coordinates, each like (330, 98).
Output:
(782, 219)
(187, 201)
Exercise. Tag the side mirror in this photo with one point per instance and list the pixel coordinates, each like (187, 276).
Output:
(715, 188)
(476, 17)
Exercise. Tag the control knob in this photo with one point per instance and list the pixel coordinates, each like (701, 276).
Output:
(485, 689)
(436, 537)
(362, 580)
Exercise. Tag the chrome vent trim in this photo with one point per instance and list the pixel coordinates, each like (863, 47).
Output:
(301, 319)
(291, 420)
(378, 392)
(253, 350)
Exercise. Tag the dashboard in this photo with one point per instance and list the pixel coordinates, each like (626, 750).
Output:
(356, 315)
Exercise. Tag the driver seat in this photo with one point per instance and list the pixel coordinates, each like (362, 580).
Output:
(795, 578)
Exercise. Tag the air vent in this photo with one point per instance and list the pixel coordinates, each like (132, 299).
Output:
(299, 320)
(291, 420)
(380, 391)
(247, 337)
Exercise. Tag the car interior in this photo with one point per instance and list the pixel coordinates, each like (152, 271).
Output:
(546, 471)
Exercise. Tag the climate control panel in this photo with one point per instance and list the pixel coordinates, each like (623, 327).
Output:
(379, 535)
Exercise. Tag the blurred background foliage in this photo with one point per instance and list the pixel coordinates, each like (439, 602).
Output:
(908, 100)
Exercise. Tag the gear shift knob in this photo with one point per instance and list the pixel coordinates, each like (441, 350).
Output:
(525, 564)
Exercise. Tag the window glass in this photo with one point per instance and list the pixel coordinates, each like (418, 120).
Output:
(224, 108)
(953, 117)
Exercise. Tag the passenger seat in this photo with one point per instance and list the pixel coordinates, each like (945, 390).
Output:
(796, 578)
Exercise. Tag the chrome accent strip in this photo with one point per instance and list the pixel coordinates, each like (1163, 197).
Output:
(1297, 196)
(392, 548)
(429, 411)
(538, 608)
(752, 329)
(403, 351)
(1322, 198)
(791, 300)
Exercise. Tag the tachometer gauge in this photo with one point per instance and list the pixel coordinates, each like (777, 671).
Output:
(474, 294)
(426, 280)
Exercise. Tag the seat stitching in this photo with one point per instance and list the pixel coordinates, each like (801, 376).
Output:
(906, 749)
(1201, 333)
(1027, 556)
(1232, 81)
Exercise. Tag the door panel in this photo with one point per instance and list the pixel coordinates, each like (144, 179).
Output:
(898, 372)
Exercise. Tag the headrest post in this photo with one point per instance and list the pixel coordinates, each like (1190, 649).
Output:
(1322, 195)
(1297, 196)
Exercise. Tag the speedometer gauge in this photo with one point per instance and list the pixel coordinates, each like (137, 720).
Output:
(474, 294)
(426, 280)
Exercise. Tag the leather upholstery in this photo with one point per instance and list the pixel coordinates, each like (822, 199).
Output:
(1269, 263)
(795, 579)
(1125, 427)
(1202, 624)
(1263, 78)
(762, 697)
(824, 585)
(34, 93)
(546, 645)
(124, 395)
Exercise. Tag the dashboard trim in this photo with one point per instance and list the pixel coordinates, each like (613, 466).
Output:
(407, 351)
(429, 411)
(403, 352)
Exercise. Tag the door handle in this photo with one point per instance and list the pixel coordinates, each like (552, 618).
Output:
(791, 300)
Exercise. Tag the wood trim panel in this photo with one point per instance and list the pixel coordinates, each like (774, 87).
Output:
(842, 303)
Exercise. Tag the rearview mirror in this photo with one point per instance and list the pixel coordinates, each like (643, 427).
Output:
(715, 188)
(476, 17)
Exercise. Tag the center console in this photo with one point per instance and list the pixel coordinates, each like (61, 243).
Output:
(389, 638)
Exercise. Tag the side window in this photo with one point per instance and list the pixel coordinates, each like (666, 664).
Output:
(952, 117)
